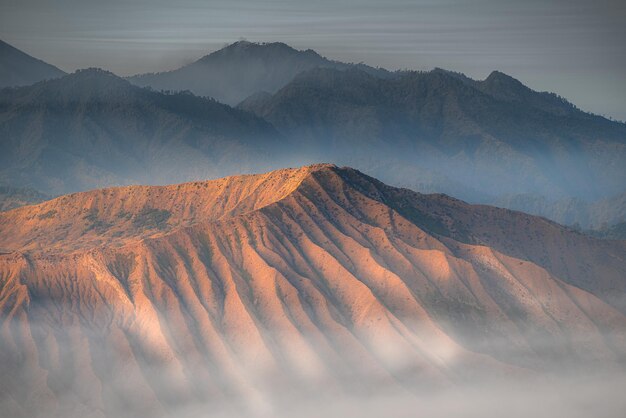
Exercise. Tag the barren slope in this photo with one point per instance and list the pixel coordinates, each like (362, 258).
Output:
(117, 215)
(318, 278)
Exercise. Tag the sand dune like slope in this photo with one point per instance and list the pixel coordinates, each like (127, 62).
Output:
(146, 299)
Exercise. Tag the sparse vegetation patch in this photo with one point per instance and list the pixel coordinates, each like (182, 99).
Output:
(150, 218)
(47, 215)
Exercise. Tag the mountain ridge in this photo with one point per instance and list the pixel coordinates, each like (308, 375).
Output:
(143, 207)
(238, 70)
(210, 199)
(295, 281)
(72, 122)
(439, 121)
(480, 140)
(17, 68)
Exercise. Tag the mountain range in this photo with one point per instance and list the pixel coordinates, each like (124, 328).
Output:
(148, 299)
(92, 129)
(496, 135)
(243, 68)
(596, 215)
(491, 141)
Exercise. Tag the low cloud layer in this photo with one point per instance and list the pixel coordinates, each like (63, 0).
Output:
(82, 379)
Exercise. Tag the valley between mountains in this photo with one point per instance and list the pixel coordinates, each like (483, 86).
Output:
(252, 288)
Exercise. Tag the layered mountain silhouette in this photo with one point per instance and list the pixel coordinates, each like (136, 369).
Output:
(92, 129)
(596, 215)
(496, 135)
(492, 141)
(20, 69)
(141, 299)
(241, 69)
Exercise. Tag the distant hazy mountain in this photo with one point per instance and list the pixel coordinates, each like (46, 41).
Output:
(496, 135)
(20, 69)
(93, 129)
(597, 215)
(434, 131)
(241, 69)
(255, 290)
(616, 231)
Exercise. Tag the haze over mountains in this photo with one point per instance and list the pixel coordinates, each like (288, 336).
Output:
(511, 141)
(597, 215)
(320, 280)
(241, 69)
(311, 291)
(93, 129)
(491, 141)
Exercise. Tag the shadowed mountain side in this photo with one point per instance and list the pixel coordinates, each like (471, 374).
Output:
(496, 135)
(299, 279)
(94, 129)
(506, 88)
(597, 215)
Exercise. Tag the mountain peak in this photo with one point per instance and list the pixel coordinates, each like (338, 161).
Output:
(93, 128)
(498, 78)
(80, 86)
(342, 268)
(239, 70)
(242, 44)
(505, 87)
(123, 214)
(259, 50)
(94, 72)
(86, 82)
(95, 75)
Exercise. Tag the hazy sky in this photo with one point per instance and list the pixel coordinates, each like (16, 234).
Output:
(573, 47)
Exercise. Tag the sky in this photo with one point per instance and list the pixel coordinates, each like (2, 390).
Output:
(575, 48)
